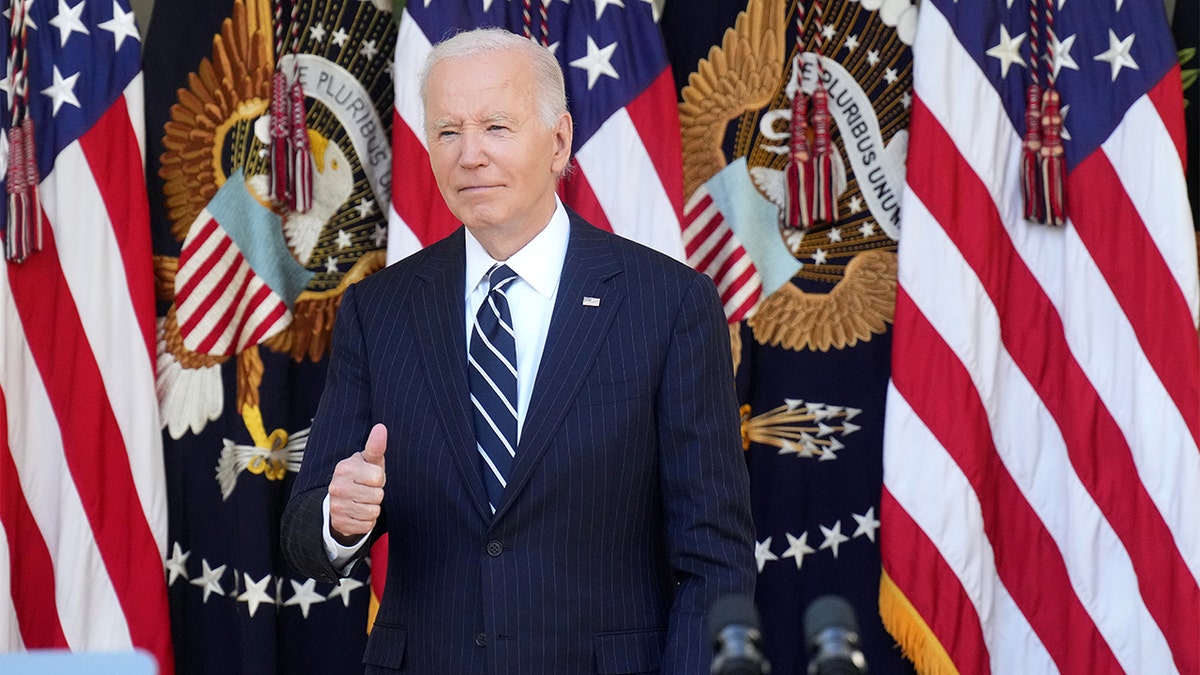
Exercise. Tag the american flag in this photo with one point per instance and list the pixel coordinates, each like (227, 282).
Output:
(81, 471)
(1041, 509)
(715, 249)
(236, 280)
(629, 176)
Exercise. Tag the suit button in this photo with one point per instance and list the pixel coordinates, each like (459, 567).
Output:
(495, 548)
(481, 639)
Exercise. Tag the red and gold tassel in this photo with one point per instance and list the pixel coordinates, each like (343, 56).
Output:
(16, 240)
(1043, 163)
(1051, 158)
(25, 222)
(280, 135)
(1031, 182)
(32, 178)
(798, 169)
(23, 233)
(290, 152)
(824, 200)
(811, 196)
(300, 152)
(1051, 161)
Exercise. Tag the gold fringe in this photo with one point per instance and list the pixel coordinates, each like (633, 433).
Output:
(916, 640)
(372, 611)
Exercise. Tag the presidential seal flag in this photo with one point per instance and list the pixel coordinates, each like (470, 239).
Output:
(83, 508)
(1040, 509)
(269, 134)
(626, 176)
(794, 118)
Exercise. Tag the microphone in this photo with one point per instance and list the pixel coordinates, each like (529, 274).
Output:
(831, 633)
(736, 636)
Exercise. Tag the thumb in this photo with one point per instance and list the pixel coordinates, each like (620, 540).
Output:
(376, 444)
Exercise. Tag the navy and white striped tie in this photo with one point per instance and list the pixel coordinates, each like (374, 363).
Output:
(492, 371)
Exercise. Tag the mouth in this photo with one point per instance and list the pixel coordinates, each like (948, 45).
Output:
(476, 189)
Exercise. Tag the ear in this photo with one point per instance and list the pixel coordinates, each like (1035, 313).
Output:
(564, 132)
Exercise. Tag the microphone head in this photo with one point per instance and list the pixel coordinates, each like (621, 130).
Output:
(828, 611)
(736, 637)
(732, 609)
(831, 633)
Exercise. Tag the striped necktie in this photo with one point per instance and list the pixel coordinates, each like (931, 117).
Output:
(492, 372)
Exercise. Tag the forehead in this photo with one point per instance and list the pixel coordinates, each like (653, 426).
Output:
(479, 87)
(480, 80)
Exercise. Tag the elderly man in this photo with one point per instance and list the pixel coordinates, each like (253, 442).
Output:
(540, 413)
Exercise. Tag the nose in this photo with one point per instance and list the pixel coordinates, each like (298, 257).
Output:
(472, 150)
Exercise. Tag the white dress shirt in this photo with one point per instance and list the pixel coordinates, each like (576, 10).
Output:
(530, 298)
(530, 301)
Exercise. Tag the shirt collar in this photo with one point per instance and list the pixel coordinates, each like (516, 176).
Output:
(539, 262)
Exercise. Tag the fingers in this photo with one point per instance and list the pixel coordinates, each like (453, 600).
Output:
(354, 503)
(352, 518)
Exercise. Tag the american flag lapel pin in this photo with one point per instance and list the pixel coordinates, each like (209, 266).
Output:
(589, 301)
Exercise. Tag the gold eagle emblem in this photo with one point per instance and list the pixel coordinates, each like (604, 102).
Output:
(845, 288)
(216, 126)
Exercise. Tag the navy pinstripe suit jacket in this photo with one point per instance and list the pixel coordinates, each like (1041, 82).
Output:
(627, 511)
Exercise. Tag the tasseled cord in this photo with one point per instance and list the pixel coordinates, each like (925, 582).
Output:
(300, 152)
(1043, 164)
(25, 222)
(24, 229)
(1031, 175)
(1052, 163)
(281, 122)
(290, 151)
(824, 199)
(809, 172)
(799, 167)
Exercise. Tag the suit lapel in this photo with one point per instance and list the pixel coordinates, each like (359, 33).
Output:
(576, 332)
(441, 334)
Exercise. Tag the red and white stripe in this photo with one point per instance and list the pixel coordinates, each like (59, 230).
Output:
(83, 511)
(714, 249)
(213, 273)
(628, 179)
(1040, 509)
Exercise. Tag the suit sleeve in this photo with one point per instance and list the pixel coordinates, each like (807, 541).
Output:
(705, 484)
(340, 429)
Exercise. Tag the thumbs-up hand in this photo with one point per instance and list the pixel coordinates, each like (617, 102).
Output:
(356, 490)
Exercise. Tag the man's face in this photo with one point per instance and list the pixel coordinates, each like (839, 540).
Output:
(496, 163)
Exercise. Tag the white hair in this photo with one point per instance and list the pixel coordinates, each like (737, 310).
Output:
(548, 83)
